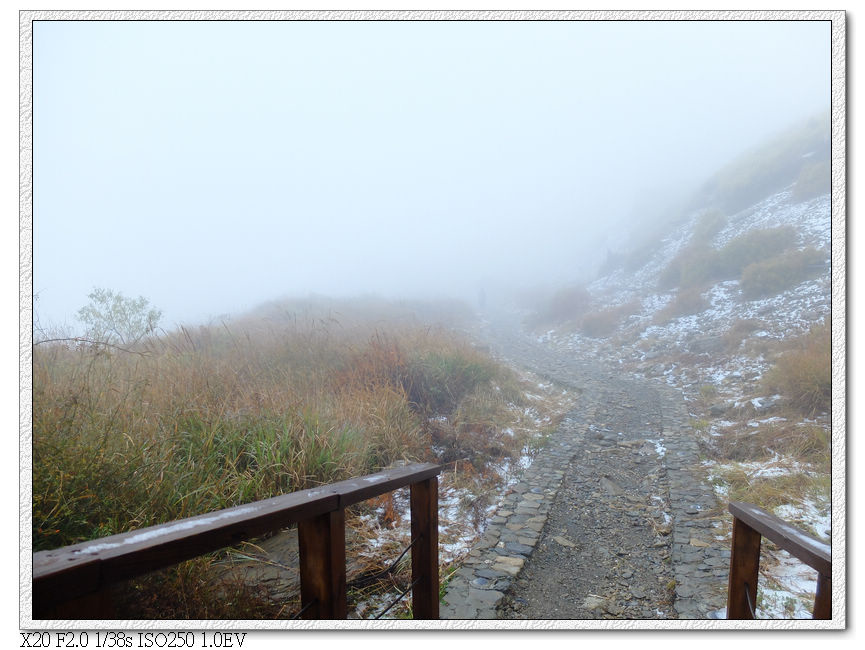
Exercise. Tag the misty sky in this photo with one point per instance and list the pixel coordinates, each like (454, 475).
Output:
(211, 166)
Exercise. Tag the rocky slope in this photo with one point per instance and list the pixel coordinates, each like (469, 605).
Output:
(716, 355)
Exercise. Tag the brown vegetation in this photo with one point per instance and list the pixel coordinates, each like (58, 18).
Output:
(565, 305)
(803, 372)
(213, 417)
(777, 274)
(604, 322)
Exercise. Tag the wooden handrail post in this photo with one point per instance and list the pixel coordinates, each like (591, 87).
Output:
(74, 581)
(94, 606)
(823, 599)
(750, 524)
(744, 565)
(424, 550)
(321, 542)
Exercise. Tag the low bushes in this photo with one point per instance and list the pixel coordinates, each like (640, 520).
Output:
(709, 224)
(803, 373)
(760, 259)
(738, 331)
(769, 167)
(600, 323)
(688, 301)
(603, 323)
(204, 419)
(565, 305)
(754, 246)
(777, 274)
(439, 380)
(694, 266)
(219, 417)
(814, 179)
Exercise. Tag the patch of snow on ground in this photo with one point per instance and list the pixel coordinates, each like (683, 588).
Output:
(776, 466)
(786, 590)
(660, 449)
(810, 513)
(648, 347)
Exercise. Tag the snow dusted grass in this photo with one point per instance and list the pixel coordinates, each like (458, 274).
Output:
(755, 389)
(467, 500)
(796, 488)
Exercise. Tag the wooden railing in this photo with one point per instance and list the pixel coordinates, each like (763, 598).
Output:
(71, 582)
(750, 525)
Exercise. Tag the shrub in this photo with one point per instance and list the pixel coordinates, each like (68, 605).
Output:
(814, 179)
(602, 323)
(804, 373)
(708, 391)
(754, 246)
(700, 268)
(199, 420)
(769, 167)
(671, 275)
(772, 276)
(695, 266)
(639, 257)
(215, 418)
(438, 380)
(565, 305)
(687, 302)
(709, 224)
(741, 328)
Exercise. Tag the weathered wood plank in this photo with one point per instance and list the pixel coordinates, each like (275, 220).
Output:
(94, 606)
(321, 541)
(356, 490)
(73, 572)
(810, 550)
(744, 564)
(424, 550)
(823, 599)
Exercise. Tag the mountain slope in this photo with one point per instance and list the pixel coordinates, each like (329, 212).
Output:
(720, 309)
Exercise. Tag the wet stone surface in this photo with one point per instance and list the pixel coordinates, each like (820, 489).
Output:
(613, 519)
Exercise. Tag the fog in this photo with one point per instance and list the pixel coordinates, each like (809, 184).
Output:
(212, 166)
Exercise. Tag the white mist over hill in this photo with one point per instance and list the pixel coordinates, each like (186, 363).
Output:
(243, 161)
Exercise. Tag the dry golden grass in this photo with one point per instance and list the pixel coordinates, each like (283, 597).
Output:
(803, 371)
(604, 322)
(687, 302)
(212, 417)
(565, 305)
(807, 443)
(739, 331)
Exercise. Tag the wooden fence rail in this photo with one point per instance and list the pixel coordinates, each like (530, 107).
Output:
(750, 525)
(71, 582)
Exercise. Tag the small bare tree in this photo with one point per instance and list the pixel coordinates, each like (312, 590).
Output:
(114, 319)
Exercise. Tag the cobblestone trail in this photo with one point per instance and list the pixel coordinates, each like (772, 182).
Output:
(612, 520)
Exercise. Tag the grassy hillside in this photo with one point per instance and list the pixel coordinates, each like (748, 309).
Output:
(296, 395)
(798, 157)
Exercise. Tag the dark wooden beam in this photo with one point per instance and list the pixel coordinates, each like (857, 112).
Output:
(823, 599)
(810, 550)
(424, 550)
(744, 564)
(321, 541)
(73, 573)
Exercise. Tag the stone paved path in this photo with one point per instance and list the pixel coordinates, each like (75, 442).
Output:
(612, 520)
